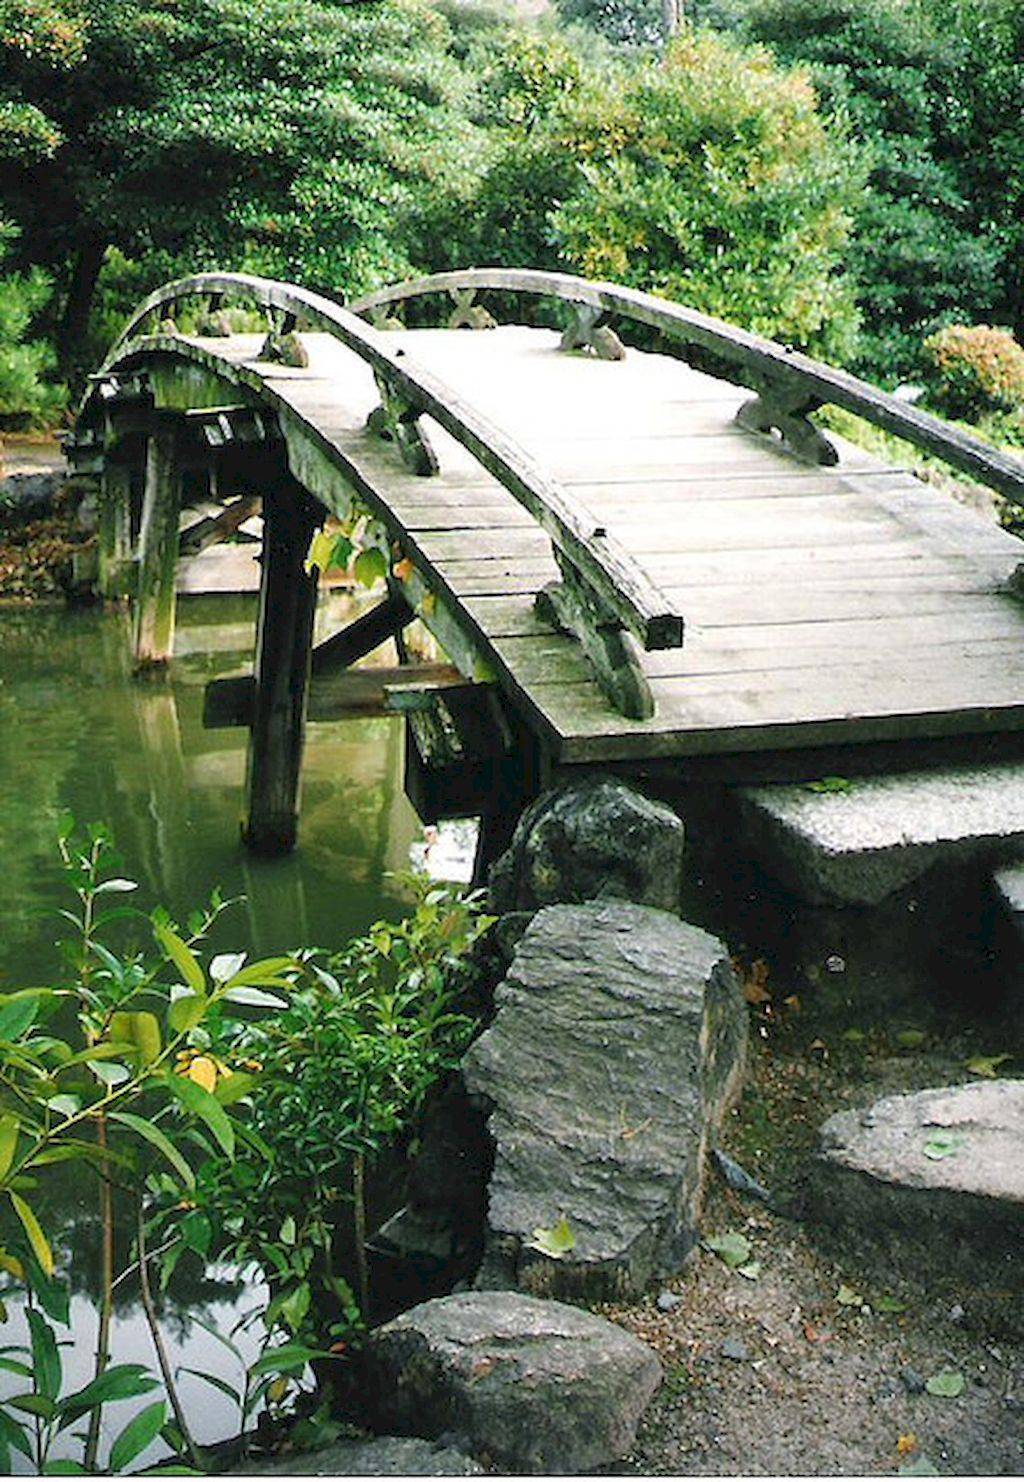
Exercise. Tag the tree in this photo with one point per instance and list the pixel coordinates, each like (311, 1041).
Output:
(27, 397)
(285, 136)
(706, 175)
(932, 89)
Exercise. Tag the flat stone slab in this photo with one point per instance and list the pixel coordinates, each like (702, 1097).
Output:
(381, 1456)
(858, 845)
(532, 1386)
(945, 1167)
(619, 1038)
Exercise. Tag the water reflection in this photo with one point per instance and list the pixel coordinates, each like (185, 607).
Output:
(78, 733)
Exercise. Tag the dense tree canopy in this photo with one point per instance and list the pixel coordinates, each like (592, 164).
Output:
(279, 135)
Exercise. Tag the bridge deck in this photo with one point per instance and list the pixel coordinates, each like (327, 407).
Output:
(822, 605)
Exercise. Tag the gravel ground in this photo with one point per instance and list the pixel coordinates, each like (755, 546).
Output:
(772, 1372)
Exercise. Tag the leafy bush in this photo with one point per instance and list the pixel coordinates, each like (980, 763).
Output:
(27, 396)
(975, 369)
(708, 177)
(927, 86)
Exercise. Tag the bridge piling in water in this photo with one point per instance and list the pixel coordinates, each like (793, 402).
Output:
(156, 598)
(284, 644)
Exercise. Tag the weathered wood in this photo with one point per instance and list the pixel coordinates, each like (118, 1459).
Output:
(586, 332)
(363, 635)
(613, 653)
(212, 529)
(155, 594)
(397, 420)
(113, 534)
(338, 695)
(746, 358)
(466, 314)
(787, 410)
(284, 635)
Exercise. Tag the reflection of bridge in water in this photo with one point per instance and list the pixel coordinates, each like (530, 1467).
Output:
(628, 561)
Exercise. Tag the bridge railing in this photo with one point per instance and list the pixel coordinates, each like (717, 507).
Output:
(789, 385)
(617, 592)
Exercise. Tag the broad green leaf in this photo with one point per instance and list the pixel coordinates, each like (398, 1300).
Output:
(139, 1029)
(34, 1231)
(182, 956)
(264, 974)
(118, 1382)
(296, 1305)
(13, 1433)
(370, 566)
(231, 1088)
(196, 1231)
(18, 1013)
(288, 1231)
(8, 1142)
(15, 1366)
(207, 1108)
(732, 1248)
(45, 1354)
(288, 1359)
(51, 1293)
(139, 1433)
(34, 1404)
(985, 1065)
(111, 1072)
(946, 1385)
(163, 1144)
(321, 548)
(556, 1242)
(185, 1013)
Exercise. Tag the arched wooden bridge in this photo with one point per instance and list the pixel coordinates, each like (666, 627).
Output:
(639, 558)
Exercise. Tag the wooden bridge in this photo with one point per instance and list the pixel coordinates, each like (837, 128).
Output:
(642, 556)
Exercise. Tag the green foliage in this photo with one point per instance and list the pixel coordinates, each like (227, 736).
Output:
(289, 137)
(974, 369)
(27, 397)
(932, 90)
(708, 177)
(342, 1072)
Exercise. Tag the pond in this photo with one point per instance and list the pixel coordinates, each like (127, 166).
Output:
(78, 733)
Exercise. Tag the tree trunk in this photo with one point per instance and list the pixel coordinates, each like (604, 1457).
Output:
(77, 307)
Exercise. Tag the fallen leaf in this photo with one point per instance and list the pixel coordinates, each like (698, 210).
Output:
(921, 1466)
(911, 1039)
(831, 784)
(732, 1248)
(556, 1242)
(755, 983)
(946, 1385)
(906, 1445)
(889, 1304)
(403, 569)
(752, 1270)
(847, 1297)
(943, 1145)
(793, 1002)
(985, 1065)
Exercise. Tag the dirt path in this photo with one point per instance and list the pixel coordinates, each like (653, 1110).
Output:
(795, 1369)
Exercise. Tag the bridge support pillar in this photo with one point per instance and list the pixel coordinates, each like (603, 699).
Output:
(158, 549)
(114, 536)
(284, 640)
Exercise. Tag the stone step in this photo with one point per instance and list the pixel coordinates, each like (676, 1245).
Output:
(939, 1170)
(866, 839)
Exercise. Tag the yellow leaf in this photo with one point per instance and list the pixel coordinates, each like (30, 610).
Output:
(906, 1444)
(403, 569)
(11, 1265)
(321, 548)
(203, 1071)
(278, 1389)
(8, 1142)
(34, 1230)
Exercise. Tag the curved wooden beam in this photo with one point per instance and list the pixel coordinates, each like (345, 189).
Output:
(616, 581)
(775, 372)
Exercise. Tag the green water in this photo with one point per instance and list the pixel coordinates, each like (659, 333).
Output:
(78, 733)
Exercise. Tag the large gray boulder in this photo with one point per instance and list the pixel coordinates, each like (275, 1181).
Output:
(619, 1038)
(379, 1456)
(532, 1386)
(593, 838)
(942, 1170)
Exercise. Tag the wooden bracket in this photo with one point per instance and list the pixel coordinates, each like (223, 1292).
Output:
(586, 332)
(222, 427)
(382, 318)
(397, 421)
(466, 314)
(214, 323)
(211, 529)
(284, 347)
(786, 409)
(614, 654)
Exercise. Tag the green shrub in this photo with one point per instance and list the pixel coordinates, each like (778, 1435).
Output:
(974, 370)
(708, 177)
(28, 398)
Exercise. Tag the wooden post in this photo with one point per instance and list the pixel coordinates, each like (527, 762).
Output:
(158, 550)
(114, 533)
(284, 642)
